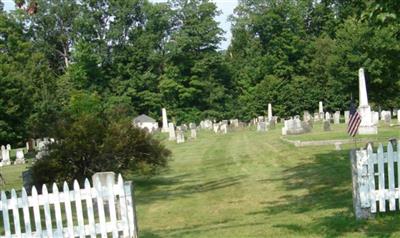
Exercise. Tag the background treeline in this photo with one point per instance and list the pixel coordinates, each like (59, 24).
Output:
(127, 57)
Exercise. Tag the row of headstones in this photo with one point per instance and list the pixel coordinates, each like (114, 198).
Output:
(263, 123)
(5, 156)
(178, 134)
(295, 126)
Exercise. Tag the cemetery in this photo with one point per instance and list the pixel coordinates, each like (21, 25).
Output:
(199, 118)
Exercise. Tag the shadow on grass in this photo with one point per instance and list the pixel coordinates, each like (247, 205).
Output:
(324, 190)
(162, 188)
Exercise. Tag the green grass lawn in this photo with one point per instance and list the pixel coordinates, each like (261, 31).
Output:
(249, 184)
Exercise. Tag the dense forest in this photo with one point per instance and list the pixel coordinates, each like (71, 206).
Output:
(128, 57)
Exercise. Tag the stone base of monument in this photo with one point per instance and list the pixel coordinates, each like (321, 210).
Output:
(368, 130)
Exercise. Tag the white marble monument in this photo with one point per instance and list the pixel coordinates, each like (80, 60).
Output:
(367, 126)
(171, 130)
(164, 121)
(269, 112)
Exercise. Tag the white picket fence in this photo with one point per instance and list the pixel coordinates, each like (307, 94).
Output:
(379, 178)
(81, 212)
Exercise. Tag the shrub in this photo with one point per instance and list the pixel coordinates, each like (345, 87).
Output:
(90, 144)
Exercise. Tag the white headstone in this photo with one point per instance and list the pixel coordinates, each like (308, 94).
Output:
(180, 137)
(8, 147)
(193, 133)
(321, 110)
(327, 116)
(171, 130)
(164, 121)
(346, 116)
(5, 154)
(336, 117)
(375, 118)
(100, 179)
(366, 126)
(224, 128)
(20, 158)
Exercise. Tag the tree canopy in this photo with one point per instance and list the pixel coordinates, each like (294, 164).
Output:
(134, 57)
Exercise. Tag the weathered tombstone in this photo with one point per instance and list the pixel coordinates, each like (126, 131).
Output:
(336, 117)
(180, 137)
(306, 116)
(375, 118)
(20, 158)
(327, 116)
(171, 129)
(327, 125)
(193, 133)
(321, 111)
(261, 127)
(387, 118)
(272, 123)
(5, 154)
(224, 128)
(346, 117)
(184, 127)
(216, 128)
(28, 148)
(316, 116)
(8, 147)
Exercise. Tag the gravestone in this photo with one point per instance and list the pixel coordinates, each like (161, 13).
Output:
(306, 116)
(272, 123)
(327, 116)
(5, 154)
(216, 128)
(293, 127)
(193, 133)
(224, 128)
(192, 125)
(321, 111)
(336, 117)
(316, 116)
(164, 120)
(346, 117)
(8, 147)
(171, 129)
(366, 126)
(180, 137)
(100, 180)
(327, 125)
(269, 112)
(184, 127)
(388, 118)
(20, 158)
(261, 127)
(27, 180)
(375, 118)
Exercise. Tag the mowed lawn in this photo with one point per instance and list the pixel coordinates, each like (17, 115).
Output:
(249, 184)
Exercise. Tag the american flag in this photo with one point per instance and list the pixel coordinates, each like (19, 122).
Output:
(354, 120)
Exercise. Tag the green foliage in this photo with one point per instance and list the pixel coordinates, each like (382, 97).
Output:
(87, 144)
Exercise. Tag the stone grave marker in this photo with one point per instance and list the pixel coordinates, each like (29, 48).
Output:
(327, 125)
(20, 158)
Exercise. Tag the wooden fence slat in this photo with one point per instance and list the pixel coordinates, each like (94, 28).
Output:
(100, 207)
(36, 211)
(47, 213)
(122, 206)
(6, 219)
(371, 176)
(57, 211)
(79, 211)
(17, 222)
(68, 210)
(25, 210)
(90, 211)
(111, 205)
(390, 155)
(381, 179)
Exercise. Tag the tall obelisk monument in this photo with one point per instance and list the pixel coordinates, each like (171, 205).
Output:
(164, 120)
(366, 126)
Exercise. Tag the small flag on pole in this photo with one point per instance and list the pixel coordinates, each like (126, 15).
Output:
(354, 120)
